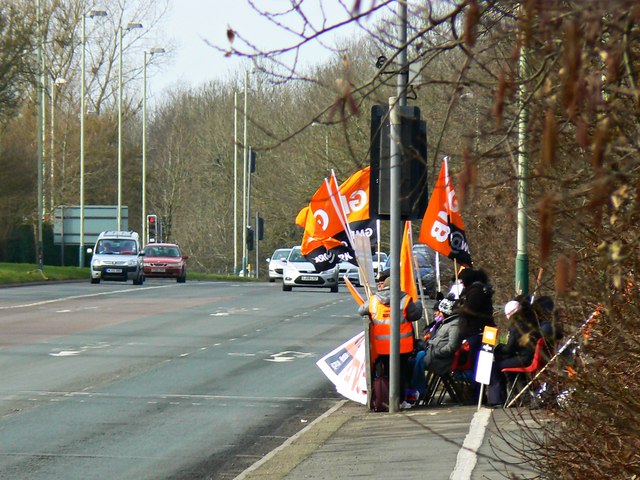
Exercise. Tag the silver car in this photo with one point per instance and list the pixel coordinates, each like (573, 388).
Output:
(349, 270)
(298, 272)
(276, 263)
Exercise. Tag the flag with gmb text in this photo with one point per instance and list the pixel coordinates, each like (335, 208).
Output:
(333, 215)
(442, 226)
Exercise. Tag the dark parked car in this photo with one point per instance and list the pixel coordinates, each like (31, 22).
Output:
(425, 258)
(165, 260)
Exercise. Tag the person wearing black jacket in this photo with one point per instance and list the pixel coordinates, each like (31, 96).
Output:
(524, 332)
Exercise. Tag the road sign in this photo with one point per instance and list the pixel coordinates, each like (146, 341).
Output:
(97, 218)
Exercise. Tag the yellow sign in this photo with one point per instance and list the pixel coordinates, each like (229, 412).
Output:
(490, 335)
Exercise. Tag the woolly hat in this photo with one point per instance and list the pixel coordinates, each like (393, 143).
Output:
(447, 306)
(511, 307)
(478, 301)
(384, 274)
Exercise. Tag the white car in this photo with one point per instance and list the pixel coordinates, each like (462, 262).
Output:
(378, 261)
(299, 272)
(276, 263)
(349, 270)
(117, 256)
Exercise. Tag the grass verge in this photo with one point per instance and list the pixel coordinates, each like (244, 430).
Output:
(12, 273)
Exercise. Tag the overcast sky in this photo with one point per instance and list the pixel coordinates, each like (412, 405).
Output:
(189, 22)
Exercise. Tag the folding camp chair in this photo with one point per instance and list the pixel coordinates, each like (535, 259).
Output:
(536, 364)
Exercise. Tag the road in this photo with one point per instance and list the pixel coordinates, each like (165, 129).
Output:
(165, 380)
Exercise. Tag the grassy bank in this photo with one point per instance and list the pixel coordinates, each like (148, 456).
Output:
(11, 273)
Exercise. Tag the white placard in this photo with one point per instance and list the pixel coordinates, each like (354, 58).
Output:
(483, 368)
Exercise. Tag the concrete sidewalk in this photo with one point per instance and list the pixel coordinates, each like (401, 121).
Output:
(348, 441)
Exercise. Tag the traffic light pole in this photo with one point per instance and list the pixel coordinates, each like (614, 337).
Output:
(256, 239)
(394, 203)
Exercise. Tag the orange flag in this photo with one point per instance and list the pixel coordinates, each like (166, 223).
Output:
(442, 226)
(407, 277)
(326, 214)
(355, 192)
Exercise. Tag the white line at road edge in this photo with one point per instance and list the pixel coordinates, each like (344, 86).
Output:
(74, 297)
(467, 457)
(289, 441)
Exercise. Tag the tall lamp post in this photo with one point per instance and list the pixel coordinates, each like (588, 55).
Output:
(326, 141)
(245, 154)
(58, 82)
(130, 26)
(92, 13)
(153, 51)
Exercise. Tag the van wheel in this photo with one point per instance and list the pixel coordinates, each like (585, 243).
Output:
(271, 280)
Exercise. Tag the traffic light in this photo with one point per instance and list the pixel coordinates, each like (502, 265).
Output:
(413, 164)
(249, 238)
(260, 228)
(152, 228)
(252, 161)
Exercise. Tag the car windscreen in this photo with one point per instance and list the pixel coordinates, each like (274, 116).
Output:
(296, 256)
(280, 255)
(116, 246)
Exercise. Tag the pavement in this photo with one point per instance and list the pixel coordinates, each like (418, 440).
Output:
(446, 442)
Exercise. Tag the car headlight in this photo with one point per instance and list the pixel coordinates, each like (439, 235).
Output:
(132, 263)
(96, 263)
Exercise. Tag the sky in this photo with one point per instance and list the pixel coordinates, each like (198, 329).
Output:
(190, 22)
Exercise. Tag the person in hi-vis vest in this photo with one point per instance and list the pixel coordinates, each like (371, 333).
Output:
(378, 309)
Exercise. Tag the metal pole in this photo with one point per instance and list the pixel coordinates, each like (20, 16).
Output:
(249, 198)
(144, 152)
(235, 183)
(51, 154)
(119, 212)
(326, 147)
(395, 223)
(256, 242)
(40, 139)
(82, 109)
(522, 257)
(245, 152)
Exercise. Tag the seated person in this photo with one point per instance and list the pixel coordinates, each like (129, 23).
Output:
(440, 349)
(517, 352)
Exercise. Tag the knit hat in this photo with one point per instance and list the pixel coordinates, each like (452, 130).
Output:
(511, 307)
(478, 301)
(447, 306)
(384, 274)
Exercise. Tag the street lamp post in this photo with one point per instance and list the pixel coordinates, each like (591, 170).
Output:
(326, 141)
(153, 51)
(130, 26)
(245, 154)
(58, 82)
(91, 14)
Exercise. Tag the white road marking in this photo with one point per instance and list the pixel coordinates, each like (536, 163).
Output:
(467, 455)
(75, 297)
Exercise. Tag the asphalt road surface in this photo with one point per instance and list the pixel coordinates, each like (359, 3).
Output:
(164, 380)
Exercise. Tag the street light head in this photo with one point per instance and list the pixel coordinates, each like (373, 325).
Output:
(156, 50)
(132, 25)
(97, 12)
(60, 81)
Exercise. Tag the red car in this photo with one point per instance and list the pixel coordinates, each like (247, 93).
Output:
(165, 260)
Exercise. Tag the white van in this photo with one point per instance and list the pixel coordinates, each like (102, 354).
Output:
(117, 256)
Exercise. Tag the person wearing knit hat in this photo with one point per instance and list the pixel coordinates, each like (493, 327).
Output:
(511, 307)
(440, 349)
(378, 309)
(518, 351)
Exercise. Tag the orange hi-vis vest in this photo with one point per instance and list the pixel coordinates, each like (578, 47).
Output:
(381, 332)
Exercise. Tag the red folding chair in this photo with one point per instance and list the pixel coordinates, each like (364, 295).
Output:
(536, 364)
